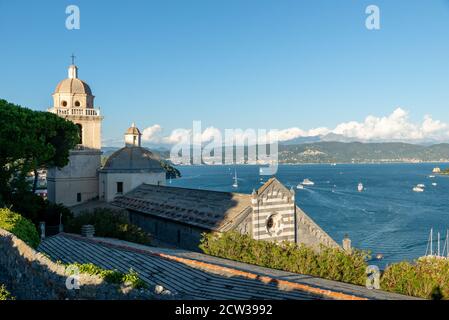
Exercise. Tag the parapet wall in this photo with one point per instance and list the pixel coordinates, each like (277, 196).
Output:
(310, 234)
(30, 275)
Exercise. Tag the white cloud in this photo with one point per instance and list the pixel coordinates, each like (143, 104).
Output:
(393, 127)
(152, 134)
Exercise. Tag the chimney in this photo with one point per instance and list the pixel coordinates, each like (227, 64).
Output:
(347, 244)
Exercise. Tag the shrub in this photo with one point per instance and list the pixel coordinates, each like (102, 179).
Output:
(35, 208)
(21, 227)
(4, 294)
(108, 223)
(427, 277)
(112, 276)
(329, 263)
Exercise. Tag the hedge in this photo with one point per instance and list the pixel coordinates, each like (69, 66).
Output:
(329, 263)
(21, 227)
(109, 223)
(427, 277)
(5, 294)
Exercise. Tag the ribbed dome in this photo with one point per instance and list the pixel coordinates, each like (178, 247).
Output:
(73, 85)
(133, 159)
(133, 130)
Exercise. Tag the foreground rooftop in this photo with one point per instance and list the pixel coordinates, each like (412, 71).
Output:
(193, 275)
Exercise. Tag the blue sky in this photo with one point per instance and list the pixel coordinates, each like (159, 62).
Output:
(236, 63)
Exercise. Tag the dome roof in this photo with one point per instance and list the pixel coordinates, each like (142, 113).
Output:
(73, 85)
(133, 159)
(133, 130)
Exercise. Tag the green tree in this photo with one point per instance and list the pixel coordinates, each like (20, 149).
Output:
(30, 140)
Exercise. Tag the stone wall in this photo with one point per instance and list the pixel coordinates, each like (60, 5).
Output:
(30, 275)
(310, 234)
(170, 232)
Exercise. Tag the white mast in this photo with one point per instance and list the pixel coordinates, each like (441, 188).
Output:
(431, 241)
(445, 247)
(438, 244)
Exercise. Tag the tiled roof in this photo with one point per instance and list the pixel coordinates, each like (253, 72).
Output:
(211, 210)
(73, 85)
(193, 275)
(131, 159)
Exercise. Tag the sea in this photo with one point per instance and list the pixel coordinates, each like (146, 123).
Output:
(387, 218)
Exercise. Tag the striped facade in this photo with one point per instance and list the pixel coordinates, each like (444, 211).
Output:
(273, 213)
(179, 216)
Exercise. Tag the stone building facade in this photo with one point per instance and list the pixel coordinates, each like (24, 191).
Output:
(78, 181)
(129, 167)
(84, 179)
(179, 216)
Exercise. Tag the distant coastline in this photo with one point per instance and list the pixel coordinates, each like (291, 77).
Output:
(322, 163)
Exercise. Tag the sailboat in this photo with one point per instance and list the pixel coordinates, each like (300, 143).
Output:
(235, 184)
(440, 254)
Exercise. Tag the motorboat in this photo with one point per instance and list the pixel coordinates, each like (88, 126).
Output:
(360, 187)
(307, 182)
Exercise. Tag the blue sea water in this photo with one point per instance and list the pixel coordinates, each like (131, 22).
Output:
(386, 218)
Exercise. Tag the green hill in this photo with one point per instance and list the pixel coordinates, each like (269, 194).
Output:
(347, 152)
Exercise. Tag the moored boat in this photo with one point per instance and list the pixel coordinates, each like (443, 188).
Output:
(307, 182)
(360, 187)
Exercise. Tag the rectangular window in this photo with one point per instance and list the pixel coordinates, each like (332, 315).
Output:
(119, 187)
(78, 197)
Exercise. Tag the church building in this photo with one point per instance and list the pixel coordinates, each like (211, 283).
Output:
(84, 179)
(78, 181)
(129, 167)
(133, 179)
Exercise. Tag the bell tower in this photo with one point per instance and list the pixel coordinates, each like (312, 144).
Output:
(78, 181)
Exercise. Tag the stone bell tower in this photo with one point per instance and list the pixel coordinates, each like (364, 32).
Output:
(78, 181)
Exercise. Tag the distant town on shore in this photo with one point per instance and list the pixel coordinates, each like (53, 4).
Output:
(347, 152)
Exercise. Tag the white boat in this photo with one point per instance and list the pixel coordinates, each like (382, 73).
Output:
(434, 184)
(360, 187)
(418, 189)
(235, 184)
(431, 176)
(299, 186)
(307, 182)
(420, 185)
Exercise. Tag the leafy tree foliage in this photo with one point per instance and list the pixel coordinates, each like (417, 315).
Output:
(19, 226)
(30, 140)
(109, 223)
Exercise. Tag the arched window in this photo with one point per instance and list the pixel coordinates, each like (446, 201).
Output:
(64, 103)
(80, 132)
(77, 104)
